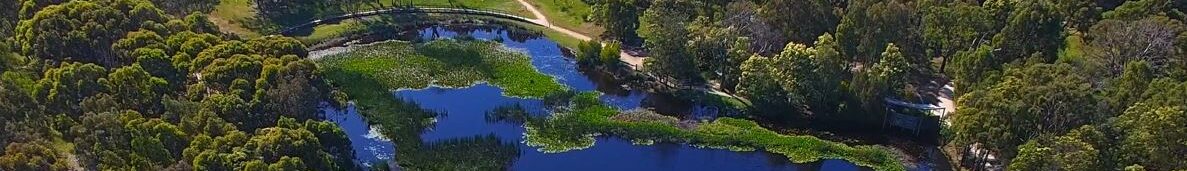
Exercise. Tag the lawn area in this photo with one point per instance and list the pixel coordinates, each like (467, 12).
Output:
(329, 31)
(234, 16)
(587, 117)
(230, 16)
(506, 6)
(570, 14)
(447, 63)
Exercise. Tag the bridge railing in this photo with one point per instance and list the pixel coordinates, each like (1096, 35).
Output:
(408, 10)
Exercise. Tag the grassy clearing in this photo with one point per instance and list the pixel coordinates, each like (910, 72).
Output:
(587, 117)
(506, 6)
(570, 14)
(231, 15)
(330, 31)
(448, 63)
(235, 16)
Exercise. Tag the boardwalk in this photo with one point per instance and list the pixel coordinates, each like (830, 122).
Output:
(408, 10)
(541, 20)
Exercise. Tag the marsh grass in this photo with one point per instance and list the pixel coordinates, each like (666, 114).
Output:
(446, 63)
(573, 129)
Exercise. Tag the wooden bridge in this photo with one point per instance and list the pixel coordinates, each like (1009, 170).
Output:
(409, 10)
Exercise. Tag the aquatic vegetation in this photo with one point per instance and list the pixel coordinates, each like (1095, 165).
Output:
(365, 80)
(446, 63)
(474, 153)
(572, 130)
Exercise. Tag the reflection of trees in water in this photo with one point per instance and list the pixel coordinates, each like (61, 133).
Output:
(473, 153)
(513, 113)
(470, 153)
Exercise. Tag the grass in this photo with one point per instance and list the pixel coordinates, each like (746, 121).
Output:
(230, 16)
(330, 31)
(446, 63)
(587, 117)
(505, 6)
(570, 14)
(235, 16)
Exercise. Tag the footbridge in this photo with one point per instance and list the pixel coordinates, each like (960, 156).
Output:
(410, 10)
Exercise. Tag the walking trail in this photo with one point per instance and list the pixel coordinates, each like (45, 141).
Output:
(635, 62)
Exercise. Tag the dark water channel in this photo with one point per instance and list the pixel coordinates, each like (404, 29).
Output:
(463, 114)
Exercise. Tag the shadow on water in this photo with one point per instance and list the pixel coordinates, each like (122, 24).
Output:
(466, 133)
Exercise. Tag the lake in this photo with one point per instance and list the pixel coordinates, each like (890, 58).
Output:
(463, 114)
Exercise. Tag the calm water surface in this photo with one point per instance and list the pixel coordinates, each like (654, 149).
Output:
(463, 114)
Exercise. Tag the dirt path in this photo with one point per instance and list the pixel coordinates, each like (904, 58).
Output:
(946, 97)
(635, 62)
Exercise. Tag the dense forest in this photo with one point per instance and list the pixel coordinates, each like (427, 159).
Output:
(1041, 84)
(123, 85)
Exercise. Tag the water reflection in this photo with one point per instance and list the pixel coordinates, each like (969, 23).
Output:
(463, 114)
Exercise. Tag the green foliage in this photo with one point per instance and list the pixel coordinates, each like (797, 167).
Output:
(448, 63)
(1032, 28)
(869, 25)
(619, 17)
(663, 26)
(799, 77)
(1032, 157)
(118, 85)
(31, 156)
(1154, 128)
(1029, 101)
(950, 28)
(1133, 10)
(62, 89)
(589, 51)
(586, 117)
(609, 53)
(972, 68)
(84, 31)
(802, 20)
(135, 88)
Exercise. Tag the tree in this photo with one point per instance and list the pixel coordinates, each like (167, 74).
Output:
(31, 156)
(758, 85)
(764, 38)
(1155, 128)
(125, 47)
(61, 89)
(948, 29)
(1128, 89)
(135, 89)
(1116, 43)
(1033, 157)
(802, 20)
(589, 51)
(1032, 28)
(739, 52)
(9, 11)
(84, 31)
(709, 44)
(1058, 153)
(620, 18)
(972, 68)
(1079, 15)
(1134, 10)
(663, 28)
(824, 88)
(1029, 101)
(609, 54)
(868, 26)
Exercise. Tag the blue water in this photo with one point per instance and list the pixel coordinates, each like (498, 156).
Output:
(463, 114)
